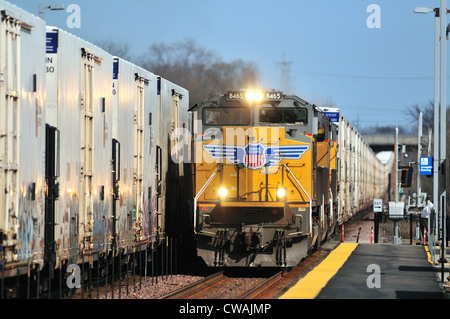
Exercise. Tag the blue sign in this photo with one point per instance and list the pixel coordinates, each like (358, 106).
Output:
(51, 44)
(426, 166)
(333, 116)
(115, 70)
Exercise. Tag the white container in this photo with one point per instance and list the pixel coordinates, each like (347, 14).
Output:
(134, 132)
(79, 105)
(173, 121)
(22, 134)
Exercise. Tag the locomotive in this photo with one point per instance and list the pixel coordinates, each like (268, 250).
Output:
(268, 178)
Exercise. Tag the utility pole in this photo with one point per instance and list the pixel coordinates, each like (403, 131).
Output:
(286, 80)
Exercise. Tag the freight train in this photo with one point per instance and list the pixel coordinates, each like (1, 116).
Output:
(85, 162)
(274, 176)
(93, 167)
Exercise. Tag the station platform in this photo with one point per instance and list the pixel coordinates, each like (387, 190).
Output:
(371, 271)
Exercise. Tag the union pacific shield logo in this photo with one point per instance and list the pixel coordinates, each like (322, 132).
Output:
(255, 156)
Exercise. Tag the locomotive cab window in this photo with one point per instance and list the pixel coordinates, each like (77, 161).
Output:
(321, 133)
(226, 116)
(283, 116)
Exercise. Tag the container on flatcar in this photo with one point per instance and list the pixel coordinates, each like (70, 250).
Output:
(173, 173)
(134, 153)
(79, 122)
(22, 137)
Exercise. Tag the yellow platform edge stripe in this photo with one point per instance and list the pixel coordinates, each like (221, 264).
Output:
(309, 286)
(428, 254)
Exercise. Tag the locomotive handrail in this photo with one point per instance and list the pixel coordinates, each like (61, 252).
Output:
(310, 201)
(214, 174)
(200, 193)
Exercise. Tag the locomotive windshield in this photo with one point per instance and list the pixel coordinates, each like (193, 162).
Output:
(226, 116)
(283, 116)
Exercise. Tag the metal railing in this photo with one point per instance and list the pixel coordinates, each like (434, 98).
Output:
(409, 228)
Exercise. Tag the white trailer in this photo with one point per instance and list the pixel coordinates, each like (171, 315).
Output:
(134, 152)
(22, 137)
(172, 142)
(79, 114)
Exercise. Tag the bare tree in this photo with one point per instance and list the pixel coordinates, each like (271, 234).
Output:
(428, 114)
(121, 50)
(201, 71)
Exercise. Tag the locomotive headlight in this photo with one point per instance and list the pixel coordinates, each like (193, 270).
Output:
(254, 96)
(281, 192)
(223, 192)
(258, 96)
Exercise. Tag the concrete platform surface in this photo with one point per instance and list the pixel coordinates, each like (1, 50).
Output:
(371, 271)
(385, 271)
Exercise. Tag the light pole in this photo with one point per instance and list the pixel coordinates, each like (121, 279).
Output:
(397, 238)
(42, 7)
(443, 152)
(440, 112)
(436, 110)
(419, 154)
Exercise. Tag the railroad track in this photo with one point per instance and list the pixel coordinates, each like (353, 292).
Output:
(196, 287)
(264, 289)
(261, 288)
(216, 286)
(218, 280)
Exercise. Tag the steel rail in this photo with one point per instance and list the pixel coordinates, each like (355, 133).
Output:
(195, 287)
(263, 287)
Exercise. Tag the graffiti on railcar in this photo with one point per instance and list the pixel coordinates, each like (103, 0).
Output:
(26, 234)
(102, 224)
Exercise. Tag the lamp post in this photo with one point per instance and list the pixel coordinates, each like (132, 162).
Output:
(436, 109)
(42, 7)
(443, 152)
(397, 238)
(440, 112)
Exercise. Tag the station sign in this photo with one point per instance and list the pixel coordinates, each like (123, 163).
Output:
(378, 205)
(333, 116)
(426, 166)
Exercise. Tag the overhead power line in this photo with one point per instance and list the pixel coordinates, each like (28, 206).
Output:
(370, 77)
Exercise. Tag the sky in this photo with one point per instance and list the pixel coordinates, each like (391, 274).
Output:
(373, 64)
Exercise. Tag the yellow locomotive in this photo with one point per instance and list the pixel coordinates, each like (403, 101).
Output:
(265, 178)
